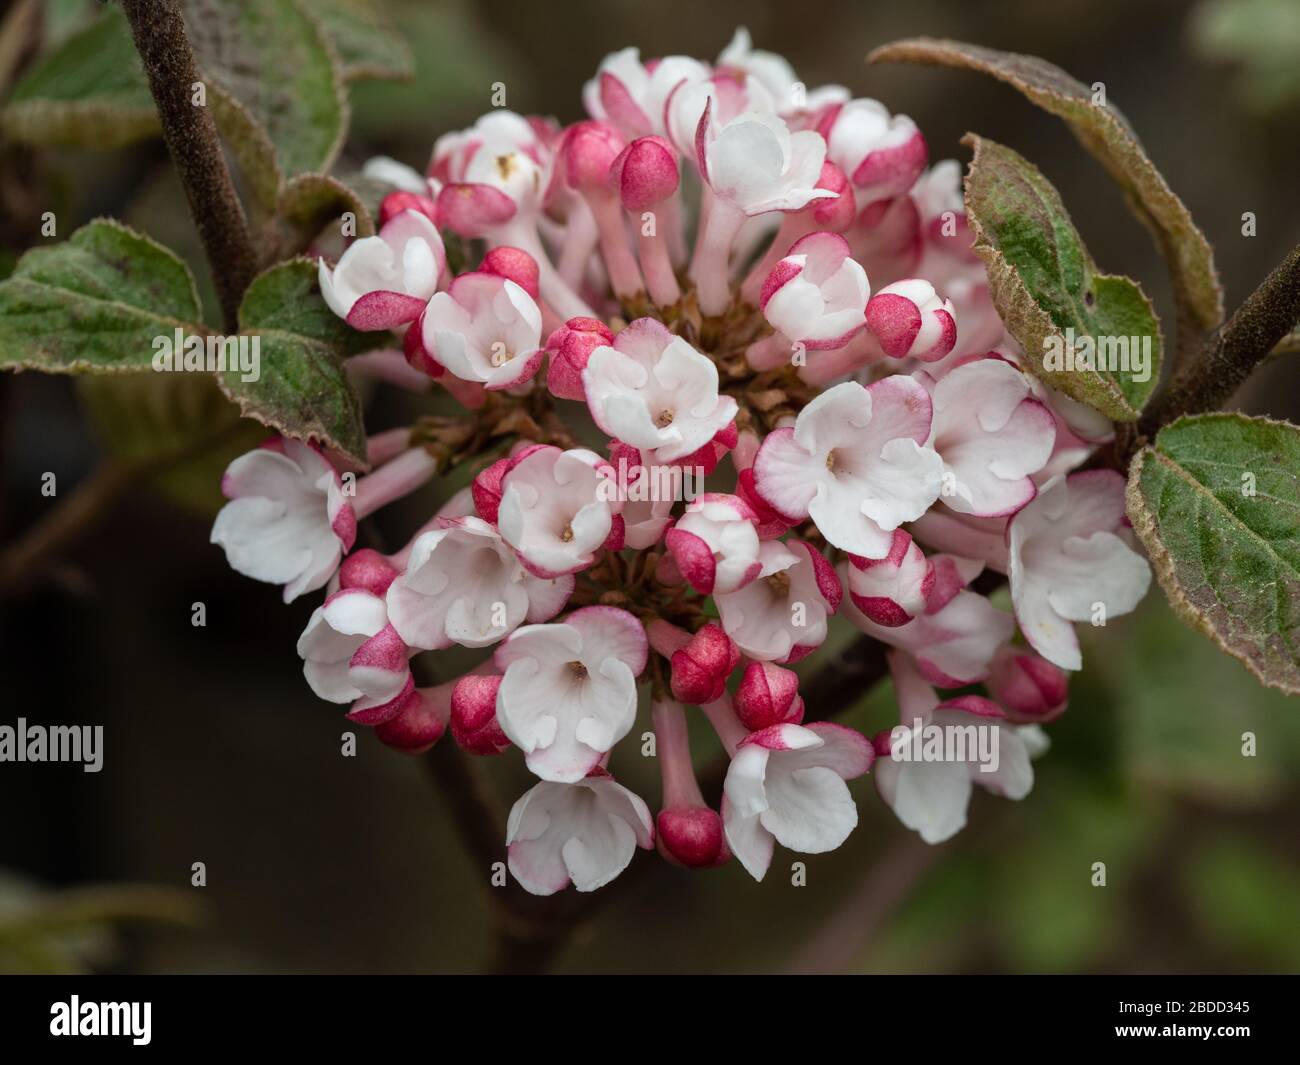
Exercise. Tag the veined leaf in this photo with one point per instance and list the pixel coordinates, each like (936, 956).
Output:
(95, 303)
(1051, 294)
(302, 390)
(367, 44)
(1216, 502)
(89, 91)
(272, 67)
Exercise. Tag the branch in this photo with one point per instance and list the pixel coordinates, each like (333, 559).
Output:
(191, 135)
(1265, 319)
(842, 939)
(23, 561)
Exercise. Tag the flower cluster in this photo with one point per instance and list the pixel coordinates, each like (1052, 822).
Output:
(720, 273)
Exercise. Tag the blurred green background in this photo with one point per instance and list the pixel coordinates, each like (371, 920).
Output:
(217, 752)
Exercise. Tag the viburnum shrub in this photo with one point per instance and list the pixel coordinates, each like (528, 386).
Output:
(737, 365)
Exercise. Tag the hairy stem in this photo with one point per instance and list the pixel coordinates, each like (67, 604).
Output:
(1205, 383)
(191, 135)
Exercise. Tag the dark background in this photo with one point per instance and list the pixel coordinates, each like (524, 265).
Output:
(216, 751)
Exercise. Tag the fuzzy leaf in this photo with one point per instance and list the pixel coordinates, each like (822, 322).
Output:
(94, 303)
(1106, 133)
(89, 92)
(303, 390)
(275, 80)
(309, 203)
(367, 44)
(1216, 502)
(1043, 282)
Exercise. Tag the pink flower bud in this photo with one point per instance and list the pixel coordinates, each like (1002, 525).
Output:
(420, 722)
(892, 590)
(909, 319)
(587, 152)
(471, 210)
(514, 264)
(645, 173)
(486, 490)
(692, 837)
(834, 214)
(690, 834)
(701, 668)
(569, 348)
(768, 695)
(474, 723)
(396, 202)
(368, 569)
(1031, 689)
(882, 154)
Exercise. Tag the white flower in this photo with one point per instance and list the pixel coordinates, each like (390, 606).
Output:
(558, 509)
(715, 543)
(773, 71)
(389, 171)
(633, 98)
(287, 521)
(484, 329)
(351, 653)
(817, 294)
(930, 796)
(1070, 561)
(383, 281)
(583, 833)
(910, 320)
(781, 615)
(855, 461)
(502, 150)
(882, 155)
(652, 390)
(956, 637)
(786, 785)
(725, 95)
(755, 164)
(893, 590)
(568, 693)
(464, 585)
(992, 435)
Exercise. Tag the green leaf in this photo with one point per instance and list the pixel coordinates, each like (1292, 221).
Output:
(95, 303)
(1216, 503)
(90, 91)
(1043, 282)
(303, 390)
(309, 203)
(367, 44)
(275, 80)
(1106, 133)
